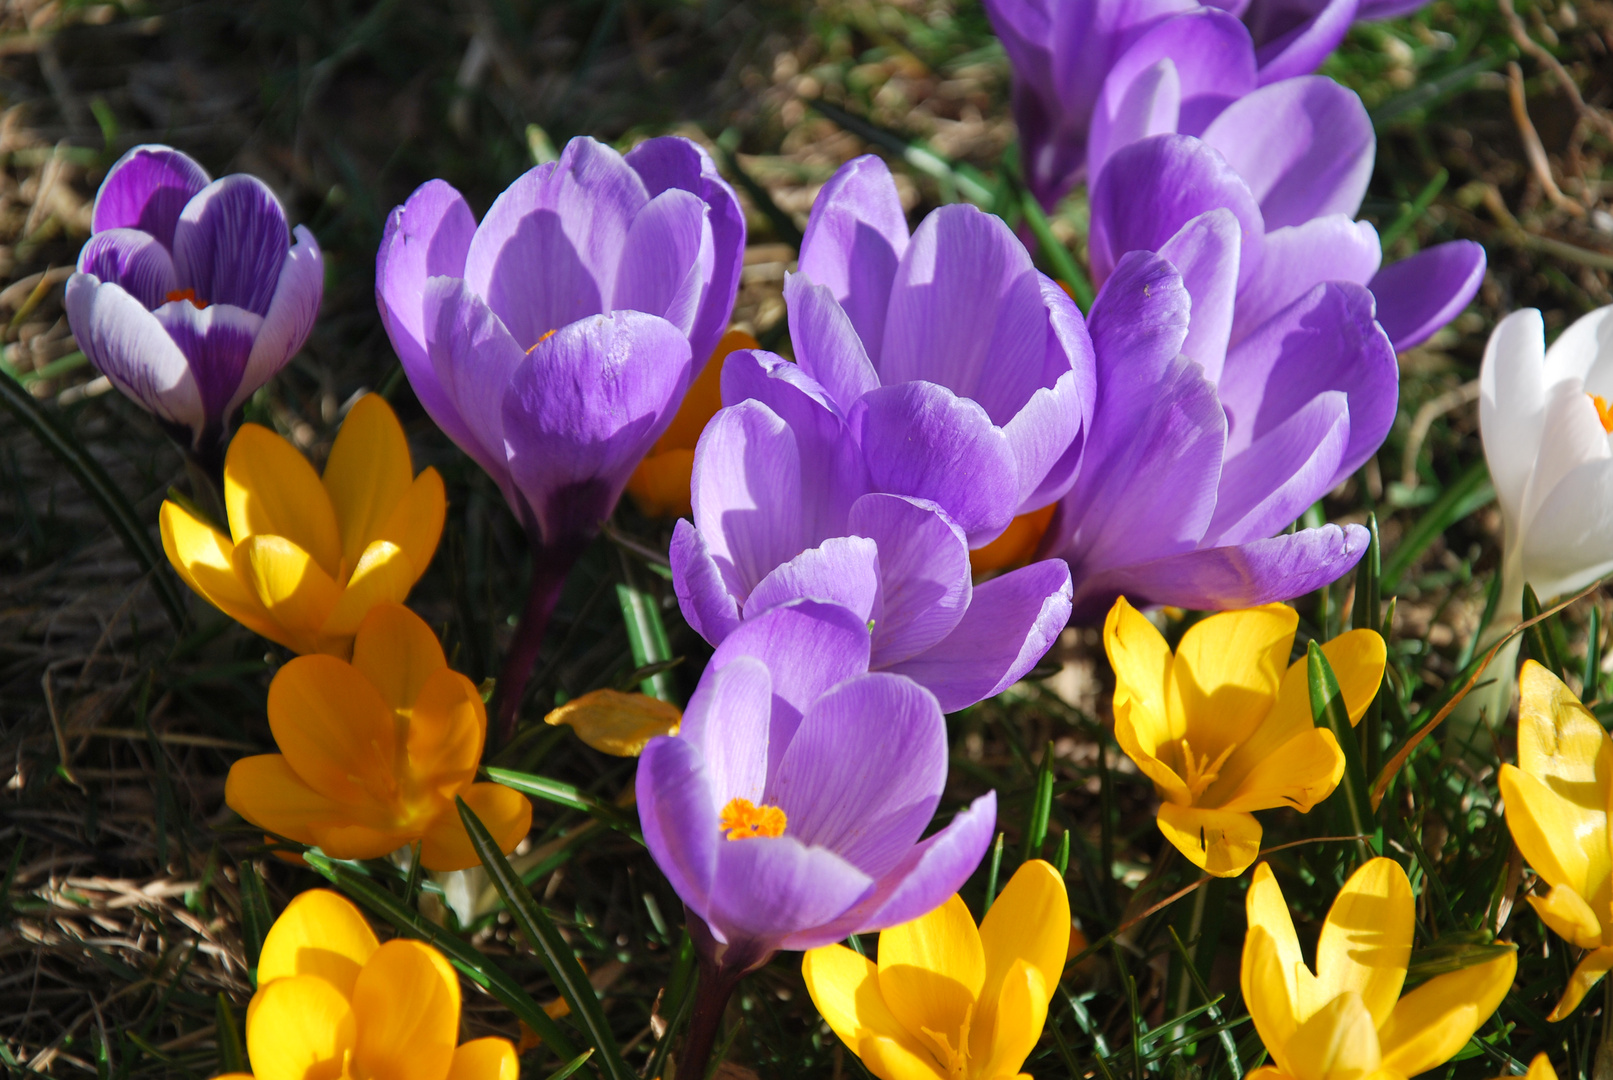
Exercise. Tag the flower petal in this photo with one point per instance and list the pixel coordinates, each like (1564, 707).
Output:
(203, 557)
(1299, 773)
(217, 343)
(616, 723)
(679, 817)
(271, 490)
(384, 575)
(506, 812)
(1226, 674)
(231, 242)
(130, 347)
(1418, 295)
(923, 569)
(290, 318)
(1019, 1016)
(826, 343)
(1029, 923)
(1592, 966)
(1296, 258)
(1366, 940)
(147, 190)
(299, 1026)
(931, 969)
(768, 888)
(488, 1058)
(1435, 1020)
(1556, 834)
(1337, 1040)
(133, 259)
(1267, 985)
(728, 722)
(1207, 252)
(267, 792)
(1219, 842)
(667, 259)
(843, 570)
(1512, 402)
(1290, 52)
(845, 988)
(1267, 486)
(1144, 722)
(367, 474)
(472, 358)
(397, 652)
(709, 608)
(855, 238)
(1567, 913)
(406, 1007)
(319, 933)
(293, 588)
(447, 727)
(334, 728)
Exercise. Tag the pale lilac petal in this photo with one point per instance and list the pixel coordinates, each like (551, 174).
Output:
(133, 259)
(855, 238)
(231, 243)
(291, 316)
(581, 411)
(1011, 623)
(129, 346)
(217, 342)
(768, 888)
(1290, 48)
(1270, 484)
(1136, 103)
(924, 578)
(1046, 439)
(147, 190)
(1297, 258)
(727, 721)
(678, 817)
(1139, 323)
(708, 607)
(784, 387)
(1206, 252)
(1304, 146)
(919, 439)
(666, 259)
(843, 570)
(1418, 295)
(472, 357)
(826, 344)
(865, 771)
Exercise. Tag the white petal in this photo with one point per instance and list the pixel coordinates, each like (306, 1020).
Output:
(1512, 403)
(290, 317)
(130, 347)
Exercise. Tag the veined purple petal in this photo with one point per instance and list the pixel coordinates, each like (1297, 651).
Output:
(146, 190)
(1418, 295)
(1304, 146)
(472, 357)
(1139, 323)
(1011, 623)
(924, 581)
(727, 721)
(667, 259)
(133, 259)
(231, 243)
(129, 346)
(855, 237)
(826, 343)
(703, 596)
(1206, 252)
(678, 817)
(786, 388)
(1270, 484)
(1134, 105)
(768, 888)
(842, 570)
(1297, 258)
(217, 342)
(290, 319)
(1294, 43)
(865, 771)
(582, 409)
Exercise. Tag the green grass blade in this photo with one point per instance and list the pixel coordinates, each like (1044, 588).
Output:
(572, 1066)
(1058, 257)
(562, 794)
(231, 1051)
(1414, 210)
(1539, 637)
(1467, 493)
(1328, 709)
(1041, 808)
(646, 636)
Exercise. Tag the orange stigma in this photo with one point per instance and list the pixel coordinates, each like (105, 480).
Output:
(187, 294)
(742, 819)
(1603, 413)
(540, 341)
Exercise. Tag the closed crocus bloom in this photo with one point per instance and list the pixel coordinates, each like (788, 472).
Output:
(306, 557)
(1348, 1019)
(947, 1001)
(332, 1002)
(374, 752)
(1557, 799)
(191, 293)
(1224, 727)
(1540, 1069)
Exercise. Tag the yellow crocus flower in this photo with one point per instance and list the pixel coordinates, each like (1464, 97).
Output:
(373, 752)
(306, 558)
(948, 1001)
(1224, 726)
(1557, 798)
(335, 1004)
(1539, 1069)
(1348, 1020)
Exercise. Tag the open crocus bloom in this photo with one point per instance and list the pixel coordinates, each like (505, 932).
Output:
(1348, 1020)
(332, 1002)
(947, 1001)
(1224, 726)
(373, 752)
(306, 558)
(1557, 799)
(787, 812)
(190, 294)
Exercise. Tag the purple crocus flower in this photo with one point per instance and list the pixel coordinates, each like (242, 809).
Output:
(190, 294)
(785, 507)
(554, 341)
(788, 810)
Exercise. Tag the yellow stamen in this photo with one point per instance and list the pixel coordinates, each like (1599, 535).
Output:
(540, 341)
(1603, 413)
(187, 294)
(1201, 772)
(954, 1062)
(742, 819)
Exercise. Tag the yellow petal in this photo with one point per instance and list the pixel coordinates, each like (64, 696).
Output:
(1029, 921)
(367, 473)
(360, 839)
(266, 791)
(295, 590)
(334, 729)
(617, 723)
(320, 933)
(660, 484)
(202, 556)
(1435, 1020)
(1565, 841)
(1021, 1010)
(485, 1059)
(384, 575)
(1299, 774)
(1266, 978)
(890, 1060)
(446, 730)
(298, 1028)
(1338, 1042)
(1226, 673)
(397, 652)
(1220, 842)
(1569, 916)
(1016, 545)
(506, 813)
(1540, 1069)
(1143, 724)
(406, 1004)
(271, 490)
(1592, 966)
(1366, 940)
(931, 969)
(845, 988)
(416, 524)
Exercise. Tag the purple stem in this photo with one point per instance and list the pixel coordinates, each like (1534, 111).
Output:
(721, 968)
(550, 565)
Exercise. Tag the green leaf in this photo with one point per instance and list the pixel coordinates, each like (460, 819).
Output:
(1413, 210)
(231, 1051)
(1041, 807)
(1467, 493)
(1058, 257)
(994, 869)
(572, 1066)
(1367, 614)
(541, 934)
(1543, 644)
(256, 916)
(562, 794)
(1328, 709)
(646, 637)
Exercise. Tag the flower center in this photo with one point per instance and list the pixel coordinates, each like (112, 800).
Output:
(954, 1062)
(540, 341)
(1200, 772)
(742, 819)
(187, 294)
(1603, 413)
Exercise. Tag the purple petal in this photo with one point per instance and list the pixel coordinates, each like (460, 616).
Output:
(1139, 323)
(129, 346)
(768, 888)
(855, 238)
(843, 570)
(1418, 295)
(678, 817)
(1151, 188)
(1243, 575)
(1324, 341)
(473, 358)
(923, 573)
(231, 243)
(667, 260)
(1297, 258)
(146, 190)
(1048, 432)
(785, 387)
(920, 439)
(1270, 484)
(727, 721)
(1135, 104)
(291, 316)
(1304, 146)
(1011, 623)
(703, 597)
(1206, 253)
(827, 347)
(133, 259)
(865, 771)
(1289, 48)
(581, 411)
(217, 342)
(672, 161)
(548, 251)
